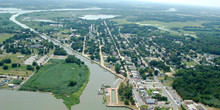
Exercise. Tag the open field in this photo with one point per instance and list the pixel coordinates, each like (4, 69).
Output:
(168, 81)
(21, 71)
(192, 63)
(15, 58)
(4, 36)
(64, 80)
(6, 23)
(164, 25)
(161, 24)
(173, 24)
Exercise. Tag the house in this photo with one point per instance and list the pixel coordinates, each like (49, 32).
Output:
(122, 71)
(2, 84)
(128, 63)
(188, 101)
(155, 92)
(148, 80)
(151, 101)
(36, 46)
(139, 84)
(141, 88)
(3, 76)
(191, 107)
(11, 85)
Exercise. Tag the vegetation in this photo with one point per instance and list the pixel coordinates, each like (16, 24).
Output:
(4, 36)
(161, 108)
(160, 98)
(125, 93)
(200, 85)
(60, 51)
(144, 107)
(160, 65)
(64, 80)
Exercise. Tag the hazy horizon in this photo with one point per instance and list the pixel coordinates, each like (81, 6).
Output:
(204, 3)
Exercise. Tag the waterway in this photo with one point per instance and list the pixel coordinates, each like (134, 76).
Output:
(96, 17)
(89, 100)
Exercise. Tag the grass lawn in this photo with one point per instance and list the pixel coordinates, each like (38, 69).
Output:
(15, 58)
(4, 36)
(150, 92)
(64, 80)
(167, 82)
(21, 71)
(192, 63)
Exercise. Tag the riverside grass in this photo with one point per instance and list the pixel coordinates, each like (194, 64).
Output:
(56, 76)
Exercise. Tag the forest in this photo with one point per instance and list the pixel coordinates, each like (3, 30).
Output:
(201, 84)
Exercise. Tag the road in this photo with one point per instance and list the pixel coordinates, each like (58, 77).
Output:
(113, 41)
(168, 94)
(84, 45)
(100, 53)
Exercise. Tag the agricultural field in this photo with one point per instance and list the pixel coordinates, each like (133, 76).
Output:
(64, 80)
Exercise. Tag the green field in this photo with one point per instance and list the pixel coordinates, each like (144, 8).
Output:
(4, 36)
(161, 24)
(6, 23)
(17, 71)
(64, 80)
(165, 25)
(191, 63)
(15, 58)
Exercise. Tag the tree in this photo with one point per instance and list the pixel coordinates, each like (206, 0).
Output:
(73, 59)
(5, 67)
(60, 51)
(34, 63)
(144, 107)
(37, 67)
(132, 101)
(92, 57)
(126, 102)
(7, 60)
(141, 71)
(1, 63)
(13, 65)
(29, 67)
(156, 72)
(117, 68)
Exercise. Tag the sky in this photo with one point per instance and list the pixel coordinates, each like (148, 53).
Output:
(210, 3)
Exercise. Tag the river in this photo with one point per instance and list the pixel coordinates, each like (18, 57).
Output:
(89, 100)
